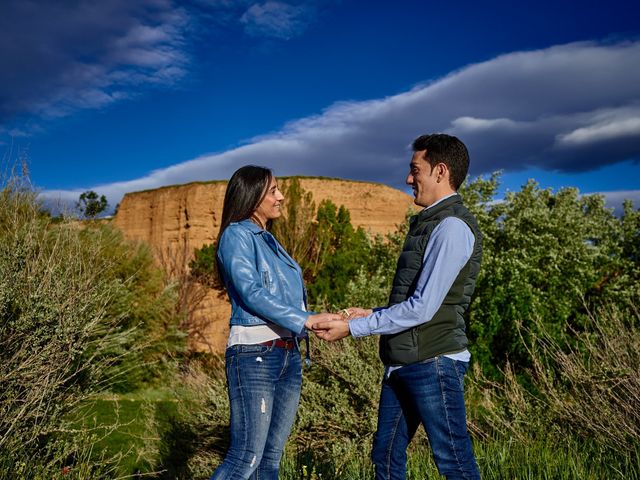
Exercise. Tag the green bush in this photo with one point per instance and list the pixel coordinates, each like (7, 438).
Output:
(323, 241)
(548, 257)
(81, 313)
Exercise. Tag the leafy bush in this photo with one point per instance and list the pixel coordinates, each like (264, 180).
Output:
(343, 251)
(547, 256)
(323, 241)
(204, 266)
(81, 313)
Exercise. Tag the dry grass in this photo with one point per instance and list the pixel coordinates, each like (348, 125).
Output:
(588, 387)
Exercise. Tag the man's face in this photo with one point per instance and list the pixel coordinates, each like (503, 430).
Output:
(422, 179)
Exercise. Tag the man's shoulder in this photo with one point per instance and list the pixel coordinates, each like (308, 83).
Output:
(453, 227)
(453, 224)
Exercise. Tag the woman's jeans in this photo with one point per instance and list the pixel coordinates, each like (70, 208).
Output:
(264, 390)
(431, 393)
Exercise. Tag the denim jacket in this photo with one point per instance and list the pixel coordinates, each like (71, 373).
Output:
(263, 282)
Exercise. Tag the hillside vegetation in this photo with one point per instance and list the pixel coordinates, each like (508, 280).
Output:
(96, 383)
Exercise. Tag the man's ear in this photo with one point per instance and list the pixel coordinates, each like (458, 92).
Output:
(442, 172)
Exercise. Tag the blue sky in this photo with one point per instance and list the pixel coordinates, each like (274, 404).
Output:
(119, 96)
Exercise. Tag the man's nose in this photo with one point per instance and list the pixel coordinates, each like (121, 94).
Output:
(409, 180)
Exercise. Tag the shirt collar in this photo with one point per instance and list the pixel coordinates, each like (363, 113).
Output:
(441, 200)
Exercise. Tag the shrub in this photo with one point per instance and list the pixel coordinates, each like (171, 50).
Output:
(545, 255)
(81, 313)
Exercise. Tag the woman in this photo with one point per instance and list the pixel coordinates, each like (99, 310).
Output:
(268, 316)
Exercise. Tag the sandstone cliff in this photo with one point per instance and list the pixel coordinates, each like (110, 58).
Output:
(176, 220)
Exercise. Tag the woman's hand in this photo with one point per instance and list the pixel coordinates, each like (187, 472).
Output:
(320, 317)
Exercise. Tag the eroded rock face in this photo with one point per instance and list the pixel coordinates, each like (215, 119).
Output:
(176, 220)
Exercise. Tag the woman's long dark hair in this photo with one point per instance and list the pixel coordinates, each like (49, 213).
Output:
(246, 189)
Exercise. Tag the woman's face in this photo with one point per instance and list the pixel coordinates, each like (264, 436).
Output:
(269, 208)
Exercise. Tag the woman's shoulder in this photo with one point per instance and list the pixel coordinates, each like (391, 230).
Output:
(243, 227)
(241, 232)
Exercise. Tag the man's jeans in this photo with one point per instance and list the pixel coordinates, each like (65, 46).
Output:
(430, 393)
(264, 389)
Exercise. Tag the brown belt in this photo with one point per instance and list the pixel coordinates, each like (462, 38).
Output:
(288, 344)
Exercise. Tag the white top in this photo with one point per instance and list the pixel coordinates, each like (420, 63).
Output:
(250, 335)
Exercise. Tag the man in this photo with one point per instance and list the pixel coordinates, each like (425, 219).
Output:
(423, 343)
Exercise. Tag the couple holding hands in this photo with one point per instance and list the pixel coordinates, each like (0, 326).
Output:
(423, 345)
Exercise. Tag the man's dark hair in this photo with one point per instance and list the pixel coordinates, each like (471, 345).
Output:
(447, 149)
(246, 189)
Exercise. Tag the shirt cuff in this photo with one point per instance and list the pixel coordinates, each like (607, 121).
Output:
(359, 327)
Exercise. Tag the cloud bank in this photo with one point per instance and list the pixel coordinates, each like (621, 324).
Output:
(567, 108)
(59, 58)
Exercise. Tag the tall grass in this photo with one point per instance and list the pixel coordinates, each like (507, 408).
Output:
(71, 328)
(585, 388)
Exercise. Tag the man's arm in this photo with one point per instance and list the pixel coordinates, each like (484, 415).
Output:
(449, 249)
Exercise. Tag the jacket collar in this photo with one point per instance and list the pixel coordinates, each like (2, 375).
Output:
(435, 208)
(252, 227)
(269, 239)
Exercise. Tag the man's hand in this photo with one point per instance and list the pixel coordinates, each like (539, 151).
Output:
(332, 330)
(355, 312)
(320, 317)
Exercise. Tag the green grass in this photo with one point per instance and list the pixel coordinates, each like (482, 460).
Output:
(553, 460)
(497, 459)
(127, 426)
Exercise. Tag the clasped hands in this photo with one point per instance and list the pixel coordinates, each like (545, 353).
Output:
(334, 326)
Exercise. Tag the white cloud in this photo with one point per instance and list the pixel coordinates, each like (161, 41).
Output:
(470, 124)
(276, 19)
(615, 199)
(98, 53)
(94, 54)
(515, 111)
(602, 131)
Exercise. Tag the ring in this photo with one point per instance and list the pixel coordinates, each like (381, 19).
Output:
(345, 312)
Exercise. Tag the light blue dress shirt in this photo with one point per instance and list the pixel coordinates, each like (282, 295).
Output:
(448, 250)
